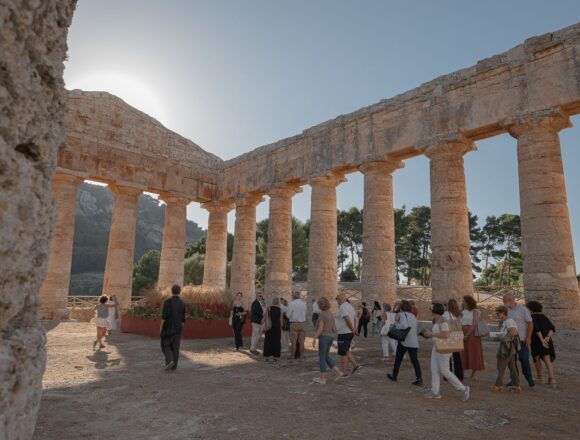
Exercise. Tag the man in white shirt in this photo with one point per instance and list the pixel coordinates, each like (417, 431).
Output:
(344, 323)
(523, 319)
(296, 314)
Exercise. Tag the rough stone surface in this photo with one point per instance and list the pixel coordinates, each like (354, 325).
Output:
(54, 289)
(549, 266)
(119, 265)
(216, 248)
(32, 50)
(379, 280)
(244, 254)
(451, 273)
(171, 265)
(322, 276)
(279, 252)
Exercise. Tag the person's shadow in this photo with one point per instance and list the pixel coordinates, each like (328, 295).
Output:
(101, 360)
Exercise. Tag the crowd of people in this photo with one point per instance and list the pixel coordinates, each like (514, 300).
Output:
(456, 331)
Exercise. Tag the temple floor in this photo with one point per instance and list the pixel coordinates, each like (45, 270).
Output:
(122, 392)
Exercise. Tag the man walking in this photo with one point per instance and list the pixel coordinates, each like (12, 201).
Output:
(256, 315)
(521, 315)
(296, 314)
(344, 323)
(172, 319)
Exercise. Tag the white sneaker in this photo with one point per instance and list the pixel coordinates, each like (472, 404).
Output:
(431, 395)
(319, 380)
(465, 394)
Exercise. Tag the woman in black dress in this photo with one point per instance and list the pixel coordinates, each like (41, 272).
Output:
(272, 341)
(238, 317)
(542, 343)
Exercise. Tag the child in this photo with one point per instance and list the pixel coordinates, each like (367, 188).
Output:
(509, 345)
(388, 320)
(101, 320)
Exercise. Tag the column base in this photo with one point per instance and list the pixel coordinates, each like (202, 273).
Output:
(61, 314)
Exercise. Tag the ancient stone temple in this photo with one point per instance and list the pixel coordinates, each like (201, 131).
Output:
(51, 140)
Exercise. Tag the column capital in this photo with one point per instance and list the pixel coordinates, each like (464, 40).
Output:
(219, 206)
(447, 147)
(174, 198)
(386, 166)
(125, 189)
(67, 179)
(287, 190)
(248, 200)
(552, 120)
(332, 178)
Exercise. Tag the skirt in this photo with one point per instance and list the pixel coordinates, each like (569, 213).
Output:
(101, 322)
(472, 354)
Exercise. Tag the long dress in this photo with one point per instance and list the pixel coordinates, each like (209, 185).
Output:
(472, 354)
(543, 325)
(272, 341)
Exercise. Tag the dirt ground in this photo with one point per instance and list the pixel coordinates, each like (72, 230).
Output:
(122, 392)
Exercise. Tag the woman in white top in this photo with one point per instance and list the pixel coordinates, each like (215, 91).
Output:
(472, 354)
(410, 345)
(440, 361)
(386, 342)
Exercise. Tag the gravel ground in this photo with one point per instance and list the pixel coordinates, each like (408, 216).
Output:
(122, 392)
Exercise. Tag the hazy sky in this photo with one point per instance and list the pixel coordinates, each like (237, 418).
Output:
(234, 75)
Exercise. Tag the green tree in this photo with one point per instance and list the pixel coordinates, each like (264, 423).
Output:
(415, 245)
(146, 272)
(193, 270)
(196, 248)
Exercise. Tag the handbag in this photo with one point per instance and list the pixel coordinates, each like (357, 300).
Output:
(482, 328)
(398, 334)
(267, 321)
(450, 345)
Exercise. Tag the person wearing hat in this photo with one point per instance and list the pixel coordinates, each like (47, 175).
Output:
(440, 361)
(296, 314)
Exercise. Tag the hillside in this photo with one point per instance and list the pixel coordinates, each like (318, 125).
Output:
(93, 223)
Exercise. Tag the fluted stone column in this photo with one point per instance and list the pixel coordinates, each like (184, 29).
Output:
(279, 252)
(322, 267)
(379, 272)
(451, 275)
(171, 266)
(119, 265)
(549, 266)
(54, 290)
(243, 278)
(216, 247)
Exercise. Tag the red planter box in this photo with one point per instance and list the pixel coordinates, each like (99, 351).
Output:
(193, 329)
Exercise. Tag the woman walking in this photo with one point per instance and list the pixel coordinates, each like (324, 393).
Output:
(273, 336)
(377, 315)
(237, 318)
(472, 355)
(453, 317)
(440, 361)
(325, 335)
(542, 343)
(101, 321)
(406, 320)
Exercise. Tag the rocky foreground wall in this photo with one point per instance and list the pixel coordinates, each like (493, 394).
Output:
(32, 98)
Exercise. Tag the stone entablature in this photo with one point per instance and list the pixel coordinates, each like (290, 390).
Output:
(108, 140)
(476, 102)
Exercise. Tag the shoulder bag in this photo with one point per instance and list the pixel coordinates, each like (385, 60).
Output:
(452, 344)
(267, 321)
(398, 334)
(482, 328)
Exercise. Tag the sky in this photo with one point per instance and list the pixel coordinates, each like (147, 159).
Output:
(234, 75)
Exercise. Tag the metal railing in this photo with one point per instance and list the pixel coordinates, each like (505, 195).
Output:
(88, 301)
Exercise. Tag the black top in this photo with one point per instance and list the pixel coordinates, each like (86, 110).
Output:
(173, 315)
(256, 312)
(235, 311)
(543, 325)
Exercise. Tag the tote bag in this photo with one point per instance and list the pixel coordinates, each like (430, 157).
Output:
(267, 322)
(450, 345)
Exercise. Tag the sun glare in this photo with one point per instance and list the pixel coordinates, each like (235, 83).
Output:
(131, 89)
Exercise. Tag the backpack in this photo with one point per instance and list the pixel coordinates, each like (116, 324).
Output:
(366, 315)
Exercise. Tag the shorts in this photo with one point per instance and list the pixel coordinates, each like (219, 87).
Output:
(297, 333)
(101, 322)
(344, 340)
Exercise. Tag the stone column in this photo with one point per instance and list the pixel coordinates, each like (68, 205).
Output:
(322, 267)
(119, 265)
(549, 266)
(54, 289)
(244, 258)
(379, 273)
(171, 266)
(279, 251)
(451, 275)
(216, 247)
